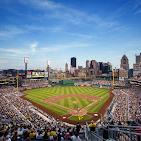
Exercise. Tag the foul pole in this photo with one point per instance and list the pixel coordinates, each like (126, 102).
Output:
(113, 73)
(48, 69)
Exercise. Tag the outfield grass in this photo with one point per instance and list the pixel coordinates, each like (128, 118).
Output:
(39, 95)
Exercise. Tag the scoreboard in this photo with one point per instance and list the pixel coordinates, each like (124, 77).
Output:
(36, 74)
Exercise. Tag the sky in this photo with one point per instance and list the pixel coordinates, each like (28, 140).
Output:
(56, 30)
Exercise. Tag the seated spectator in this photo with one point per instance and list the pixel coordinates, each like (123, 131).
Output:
(92, 126)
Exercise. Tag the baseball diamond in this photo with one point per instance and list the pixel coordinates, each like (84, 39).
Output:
(71, 103)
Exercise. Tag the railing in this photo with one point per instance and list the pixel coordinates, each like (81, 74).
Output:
(123, 135)
(116, 133)
(94, 137)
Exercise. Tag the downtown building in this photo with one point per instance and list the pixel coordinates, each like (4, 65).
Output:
(87, 68)
(73, 66)
(124, 63)
(96, 69)
(124, 68)
(81, 72)
(93, 70)
(105, 68)
(67, 73)
(137, 66)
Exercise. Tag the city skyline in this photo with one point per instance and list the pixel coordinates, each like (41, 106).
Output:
(58, 30)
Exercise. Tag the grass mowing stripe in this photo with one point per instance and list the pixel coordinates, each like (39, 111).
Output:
(66, 103)
(83, 102)
(38, 95)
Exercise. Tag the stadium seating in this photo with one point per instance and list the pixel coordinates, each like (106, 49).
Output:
(20, 120)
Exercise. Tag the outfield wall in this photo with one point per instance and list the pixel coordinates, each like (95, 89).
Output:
(66, 82)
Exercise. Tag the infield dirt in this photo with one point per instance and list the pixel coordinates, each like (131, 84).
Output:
(59, 117)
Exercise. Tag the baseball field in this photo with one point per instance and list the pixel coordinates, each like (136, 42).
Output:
(71, 103)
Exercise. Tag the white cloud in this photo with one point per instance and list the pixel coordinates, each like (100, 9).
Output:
(38, 55)
(9, 31)
(138, 12)
(137, 7)
(60, 47)
(42, 4)
(22, 51)
(67, 14)
(11, 50)
(62, 13)
(13, 30)
(33, 47)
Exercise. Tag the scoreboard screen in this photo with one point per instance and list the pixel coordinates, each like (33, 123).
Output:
(36, 74)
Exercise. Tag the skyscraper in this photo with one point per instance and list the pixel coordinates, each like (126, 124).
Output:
(73, 62)
(93, 64)
(137, 65)
(105, 68)
(93, 68)
(124, 63)
(73, 66)
(66, 67)
(138, 59)
(87, 64)
(87, 67)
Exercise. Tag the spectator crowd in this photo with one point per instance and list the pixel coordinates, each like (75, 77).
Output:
(21, 121)
(127, 105)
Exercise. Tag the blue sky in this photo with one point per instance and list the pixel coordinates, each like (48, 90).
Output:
(56, 30)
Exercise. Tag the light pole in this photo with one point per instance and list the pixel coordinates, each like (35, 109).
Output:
(26, 59)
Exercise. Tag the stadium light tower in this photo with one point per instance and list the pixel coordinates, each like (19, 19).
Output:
(26, 59)
(48, 69)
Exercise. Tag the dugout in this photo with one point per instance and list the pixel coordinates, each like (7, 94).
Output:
(66, 82)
